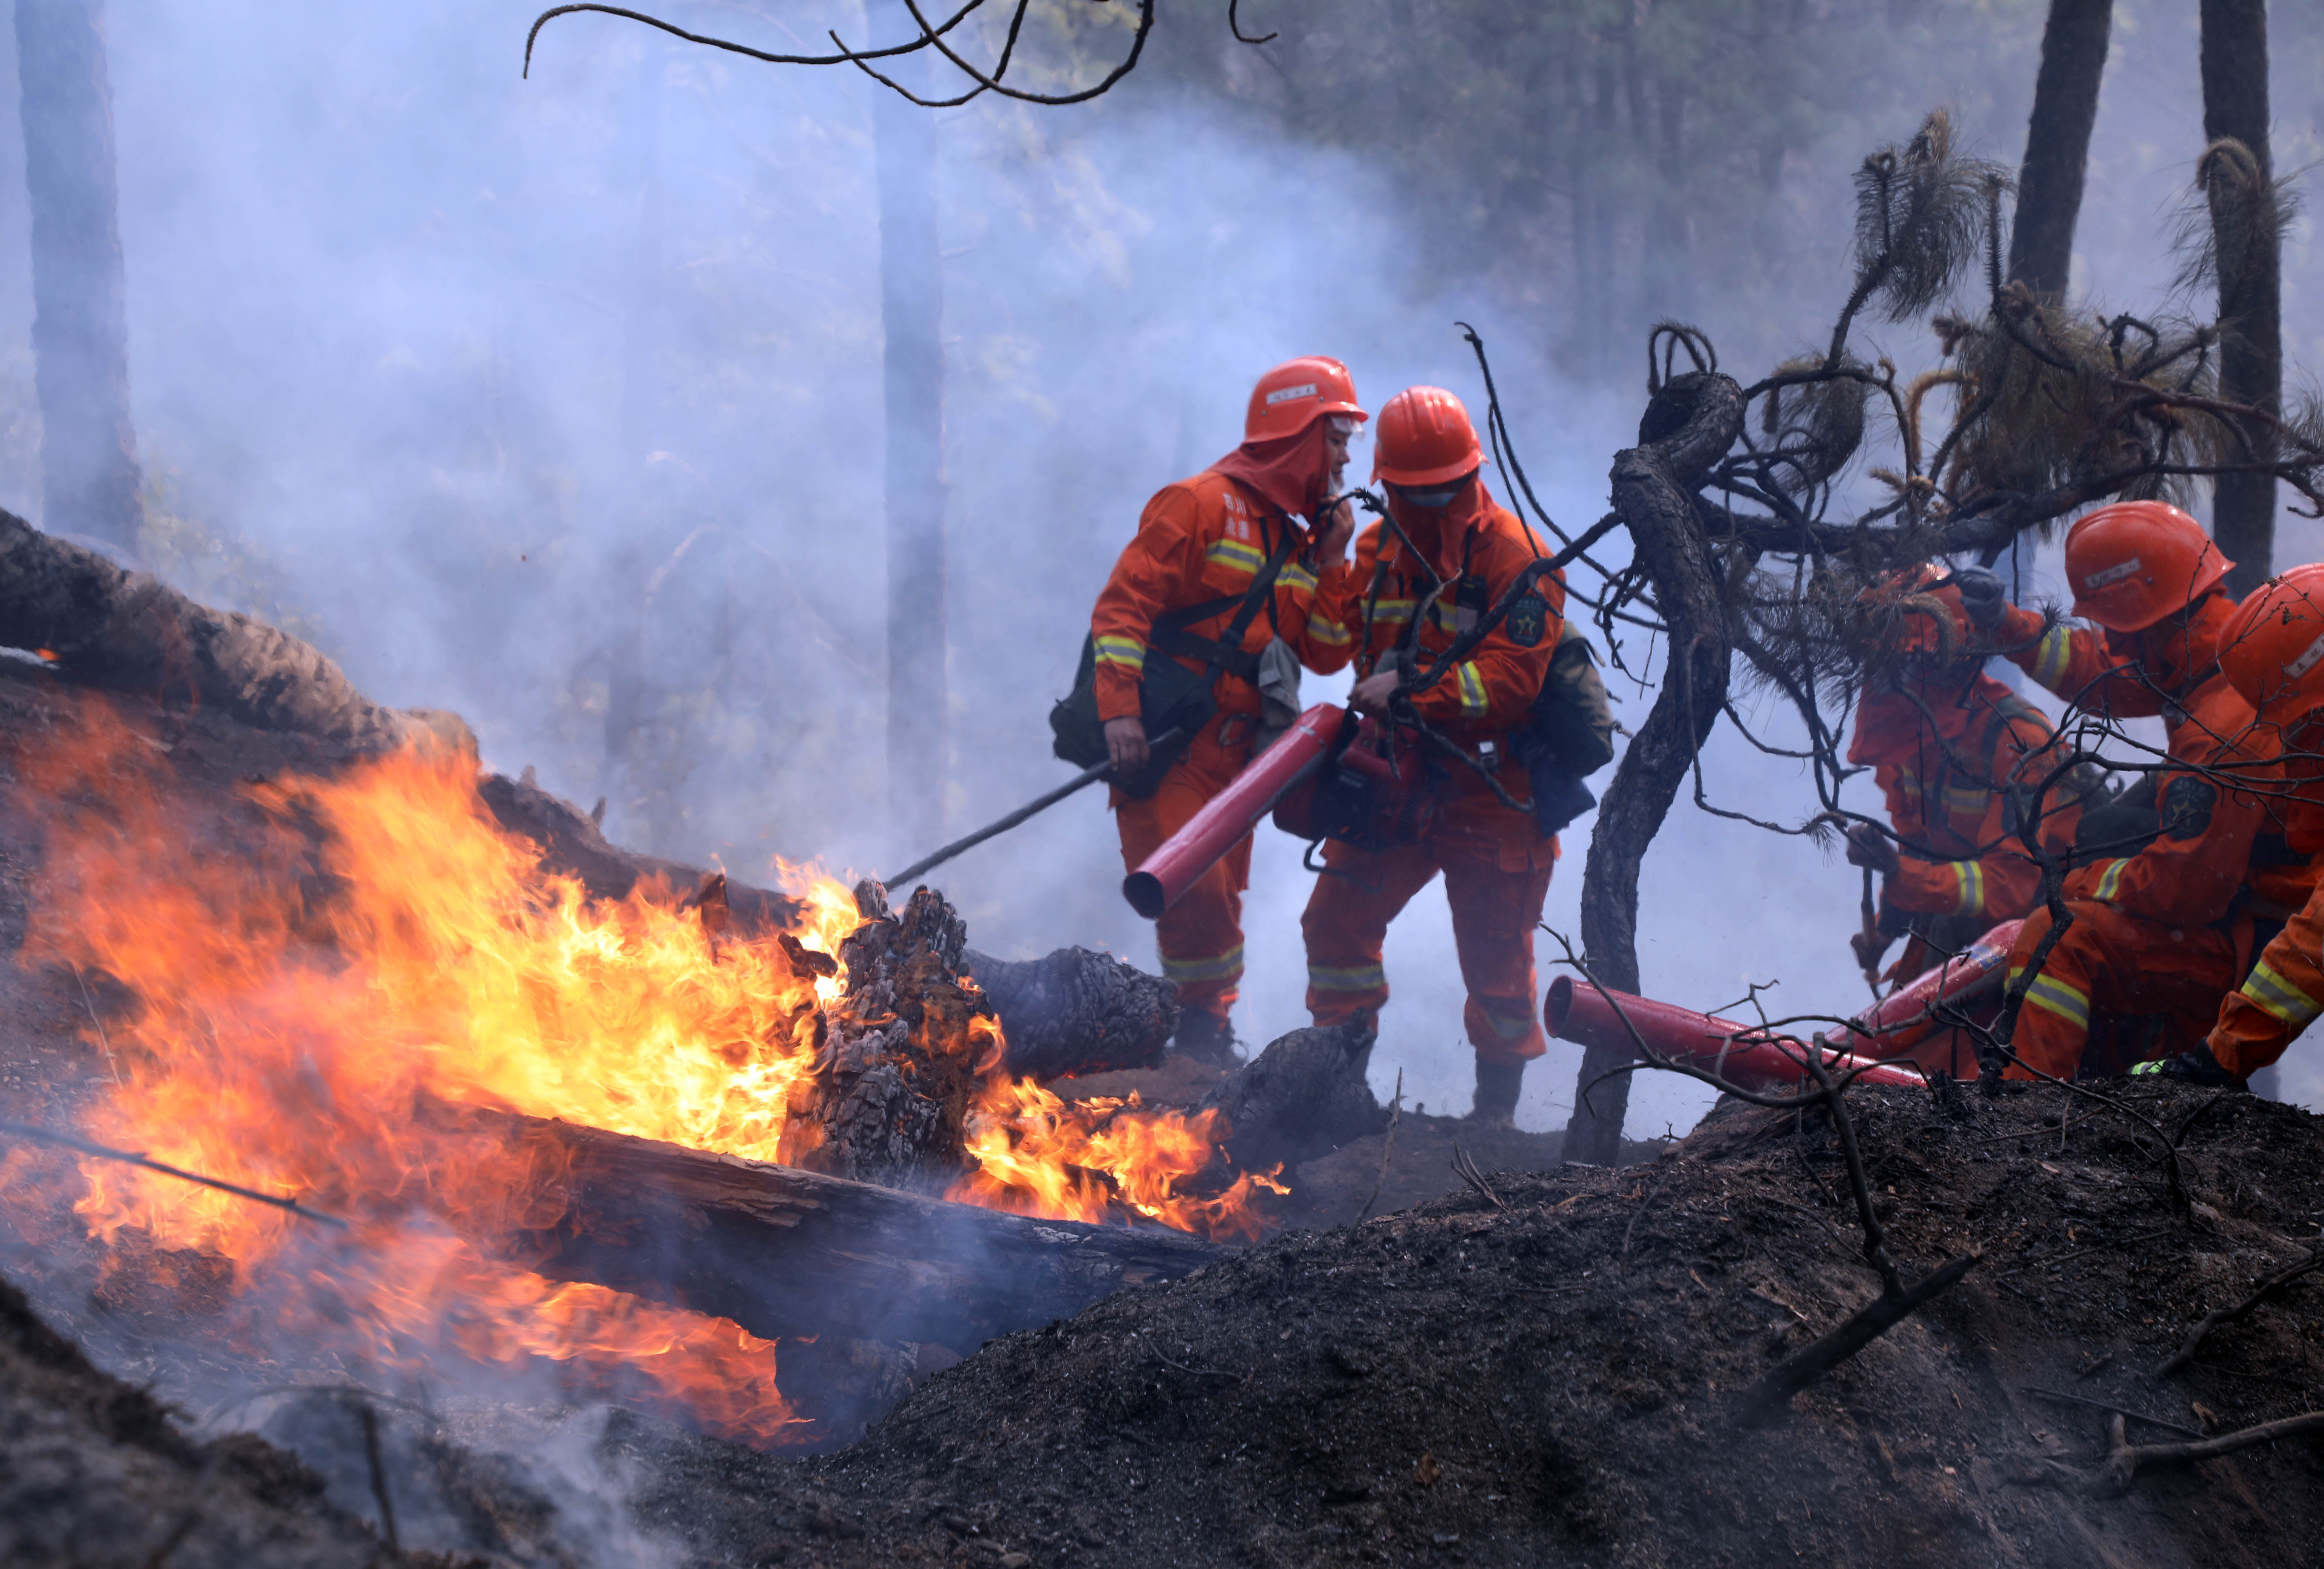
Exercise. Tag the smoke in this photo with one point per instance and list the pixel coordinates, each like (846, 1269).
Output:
(558, 402)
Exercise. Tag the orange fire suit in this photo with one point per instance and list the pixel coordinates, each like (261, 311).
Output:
(2161, 932)
(2285, 991)
(1958, 797)
(1205, 538)
(1496, 863)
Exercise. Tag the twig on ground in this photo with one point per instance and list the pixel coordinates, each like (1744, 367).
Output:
(1387, 1142)
(1622, 1262)
(2212, 1320)
(2124, 1459)
(1166, 1359)
(2103, 1406)
(1773, 1393)
(102, 1037)
(1464, 1167)
(176, 1538)
(2083, 1253)
(370, 1420)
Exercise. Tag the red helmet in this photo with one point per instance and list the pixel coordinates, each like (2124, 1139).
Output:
(2134, 563)
(2273, 647)
(1296, 394)
(1917, 613)
(1424, 438)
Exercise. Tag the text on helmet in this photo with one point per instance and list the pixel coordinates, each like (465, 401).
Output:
(2098, 580)
(1286, 394)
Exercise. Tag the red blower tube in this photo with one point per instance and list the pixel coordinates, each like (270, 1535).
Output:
(1742, 1054)
(1163, 878)
(1902, 1019)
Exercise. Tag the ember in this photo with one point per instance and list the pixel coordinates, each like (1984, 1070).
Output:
(305, 974)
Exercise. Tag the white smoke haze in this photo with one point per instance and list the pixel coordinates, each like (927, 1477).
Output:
(542, 400)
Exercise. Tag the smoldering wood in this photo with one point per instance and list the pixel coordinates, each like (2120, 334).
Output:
(130, 631)
(900, 1067)
(1304, 1095)
(787, 1253)
(1075, 1012)
(1689, 425)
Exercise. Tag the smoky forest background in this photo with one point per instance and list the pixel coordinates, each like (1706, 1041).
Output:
(563, 399)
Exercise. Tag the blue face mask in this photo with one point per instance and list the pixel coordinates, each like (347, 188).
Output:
(1433, 497)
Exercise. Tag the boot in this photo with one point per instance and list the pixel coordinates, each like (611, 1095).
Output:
(1497, 1084)
(1206, 1038)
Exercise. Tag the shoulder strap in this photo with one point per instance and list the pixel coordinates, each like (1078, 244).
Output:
(1227, 653)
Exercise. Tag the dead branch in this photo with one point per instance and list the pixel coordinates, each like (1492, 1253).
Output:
(2103, 1405)
(1464, 1167)
(1767, 1399)
(2212, 1320)
(1388, 1140)
(2124, 1460)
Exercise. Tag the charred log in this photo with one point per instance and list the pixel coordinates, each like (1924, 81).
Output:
(1077, 1012)
(130, 631)
(1304, 1095)
(786, 1252)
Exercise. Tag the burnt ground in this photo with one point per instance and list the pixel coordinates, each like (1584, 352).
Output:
(1549, 1376)
(1555, 1382)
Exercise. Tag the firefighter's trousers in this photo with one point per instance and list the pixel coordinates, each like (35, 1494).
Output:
(1496, 871)
(1201, 936)
(2117, 968)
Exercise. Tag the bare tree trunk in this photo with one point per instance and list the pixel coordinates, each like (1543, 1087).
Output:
(911, 309)
(2058, 144)
(2251, 352)
(1689, 426)
(90, 482)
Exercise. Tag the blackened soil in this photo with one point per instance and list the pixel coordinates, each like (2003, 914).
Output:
(1553, 1378)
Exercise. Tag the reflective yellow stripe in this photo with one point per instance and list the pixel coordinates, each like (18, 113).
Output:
(2052, 996)
(1446, 616)
(1361, 978)
(1297, 577)
(1970, 901)
(2049, 657)
(1392, 610)
(2271, 991)
(1235, 554)
(1328, 632)
(1472, 688)
(1115, 648)
(1508, 1027)
(1225, 967)
(2109, 882)
(1965, 803)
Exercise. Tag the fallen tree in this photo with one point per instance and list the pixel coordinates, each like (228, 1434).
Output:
(786, 1252)
(1076, 1011)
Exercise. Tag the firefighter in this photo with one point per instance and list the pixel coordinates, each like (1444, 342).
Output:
(1960, 760)
(1450, 554)
(2273, 651)
(1224, 564)
(2158, 926)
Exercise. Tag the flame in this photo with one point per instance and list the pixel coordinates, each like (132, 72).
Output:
(1039, 1154)
(336, 952)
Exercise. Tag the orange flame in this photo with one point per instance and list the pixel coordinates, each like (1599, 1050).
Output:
(309, 970)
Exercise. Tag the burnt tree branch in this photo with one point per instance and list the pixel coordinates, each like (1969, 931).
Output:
(1689, 426)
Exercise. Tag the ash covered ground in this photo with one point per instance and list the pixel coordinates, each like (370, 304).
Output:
(1548, 1374)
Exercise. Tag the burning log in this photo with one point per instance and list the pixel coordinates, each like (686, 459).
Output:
(130, 630)
(1077, 1012)
(570, 844)
(786, 1252)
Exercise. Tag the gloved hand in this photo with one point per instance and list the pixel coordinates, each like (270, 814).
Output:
(1983, 597)
(1868, 946)
(2196, 1066)
(1869, 847)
